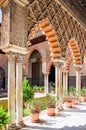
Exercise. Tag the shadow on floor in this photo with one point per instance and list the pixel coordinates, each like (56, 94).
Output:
(48, 128)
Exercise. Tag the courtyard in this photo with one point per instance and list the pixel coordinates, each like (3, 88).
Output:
(43, 64)
(69, 119)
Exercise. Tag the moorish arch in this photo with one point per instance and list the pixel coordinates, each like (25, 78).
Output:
(44, 27)
(51, 71)
(73, 55)
(50, 34)
(2, 78)
(35, 68)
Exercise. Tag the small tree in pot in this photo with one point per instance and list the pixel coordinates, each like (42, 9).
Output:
(35, 108)
(51, 105)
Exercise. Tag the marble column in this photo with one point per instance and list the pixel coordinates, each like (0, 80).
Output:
(46, 83)
(11, 87)
(78, 81)
(57, 80)
(19, 97)
(60, 81)
(66, 83)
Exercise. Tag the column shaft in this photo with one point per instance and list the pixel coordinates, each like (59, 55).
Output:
(46, 83)
(66, 83)
(78, 81)
(19, 102)
(60, 82)
(57, 80)
(11, 89)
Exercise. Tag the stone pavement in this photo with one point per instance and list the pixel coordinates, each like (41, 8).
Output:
(69, 119)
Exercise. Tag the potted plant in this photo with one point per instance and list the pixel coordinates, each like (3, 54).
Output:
(51, 105)
(83, 94)
(4, 118)
(67, 101)
(35, 108)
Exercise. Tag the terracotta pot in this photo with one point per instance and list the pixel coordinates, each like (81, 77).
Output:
(68, 104)
(51, 111)
(75, 102)
(83, 98)
(53, 92)
(34, 118)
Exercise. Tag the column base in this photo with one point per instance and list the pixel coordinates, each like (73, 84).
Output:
(21, 124)
(12, 126)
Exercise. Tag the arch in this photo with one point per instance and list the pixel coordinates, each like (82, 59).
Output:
(51, 37)
(31, 50)
(49, 66)
(2, 78)
(73, 45)
(35, 68)
(72, 53)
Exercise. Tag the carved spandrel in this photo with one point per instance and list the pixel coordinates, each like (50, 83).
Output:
(36, 9)
(48, 2)
(51, 10)
(42, 5)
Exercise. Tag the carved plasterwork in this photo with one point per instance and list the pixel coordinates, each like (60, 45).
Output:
(65, 25)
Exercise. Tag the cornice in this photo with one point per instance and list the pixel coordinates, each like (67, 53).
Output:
(4, 3)
(22, 3)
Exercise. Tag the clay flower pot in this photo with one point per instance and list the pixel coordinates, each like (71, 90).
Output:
(83, 98)
(51, 111)
(75, 102)
(68, 104)
(34, 117)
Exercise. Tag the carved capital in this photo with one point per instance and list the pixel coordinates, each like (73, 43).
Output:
(20, 58)
(11, 57)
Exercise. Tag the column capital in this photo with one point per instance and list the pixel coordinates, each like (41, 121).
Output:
(58, 64)
(46, 73)
(78, 67)
(20, 58)
(11, 57)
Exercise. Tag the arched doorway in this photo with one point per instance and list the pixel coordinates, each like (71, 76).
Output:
(2, 78)
(52, 77)
(35, 68)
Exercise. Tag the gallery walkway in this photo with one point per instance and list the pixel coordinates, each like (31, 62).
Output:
(69, 119)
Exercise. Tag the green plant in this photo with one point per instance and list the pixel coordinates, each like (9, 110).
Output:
(83, 91)
(4, 118)
(42, 89)
(28, 92)
(51, 101)
(72, 91)
(35, 106)
(26, 112)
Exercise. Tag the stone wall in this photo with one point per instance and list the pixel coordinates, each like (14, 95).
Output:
(18, 29)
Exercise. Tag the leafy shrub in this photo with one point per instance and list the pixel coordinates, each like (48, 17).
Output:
(4, 118)
(28, 92)
(26, 112)
(72, 91)
(83, 91)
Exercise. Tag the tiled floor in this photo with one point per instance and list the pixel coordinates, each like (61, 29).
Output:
(69, 119)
